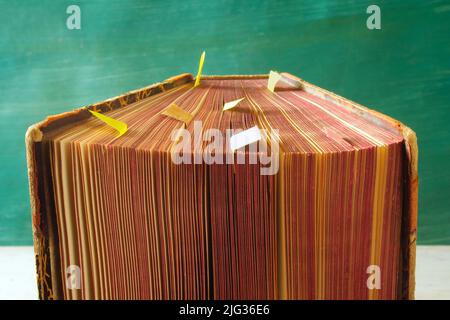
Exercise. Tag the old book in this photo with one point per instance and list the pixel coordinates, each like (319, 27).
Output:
(241, 187)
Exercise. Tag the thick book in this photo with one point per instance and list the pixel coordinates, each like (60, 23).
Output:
(232, 187)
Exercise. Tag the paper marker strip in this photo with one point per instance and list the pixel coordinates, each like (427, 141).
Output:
(177, 113)
(274, 77)
(290, 81)
(244, 138)
(200, 68)
(231, 104)
(120, 126)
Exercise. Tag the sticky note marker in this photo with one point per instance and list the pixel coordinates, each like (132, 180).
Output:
(200, 68)
(231, 104)
(244, 138)
(120, 126)
(177, 113)
(274, 77)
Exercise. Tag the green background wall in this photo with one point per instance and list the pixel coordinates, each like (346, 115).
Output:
(402, 70)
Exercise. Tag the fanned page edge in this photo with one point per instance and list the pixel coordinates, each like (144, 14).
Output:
(45, 240)
(410, 207)
(46, 244)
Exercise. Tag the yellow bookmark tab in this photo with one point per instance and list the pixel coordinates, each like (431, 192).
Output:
(120, 126)
(231, 104)
(200, 68)
(177, 113)
(274, 77)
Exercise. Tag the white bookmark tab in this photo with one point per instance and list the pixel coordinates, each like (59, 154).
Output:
(231, 104)
(245, 138)
(290, 81)
(274, 77)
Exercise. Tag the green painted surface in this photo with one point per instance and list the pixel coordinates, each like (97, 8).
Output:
(402, 70)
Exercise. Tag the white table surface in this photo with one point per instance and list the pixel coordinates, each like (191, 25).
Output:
(18, 280)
